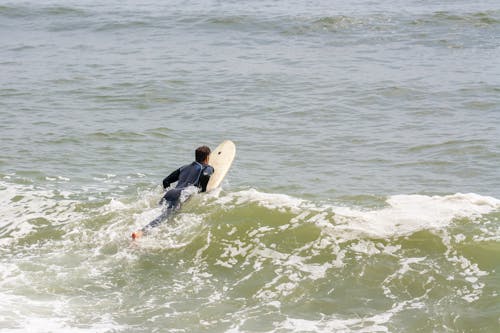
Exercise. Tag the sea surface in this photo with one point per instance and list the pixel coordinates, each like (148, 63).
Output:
(364, 197)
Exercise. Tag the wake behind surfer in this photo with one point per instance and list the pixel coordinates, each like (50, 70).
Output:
(196, 174)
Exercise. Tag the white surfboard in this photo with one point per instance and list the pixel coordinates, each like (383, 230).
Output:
(221, 159)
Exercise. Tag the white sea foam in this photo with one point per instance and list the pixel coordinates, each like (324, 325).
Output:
(36, 324)
(406, 214)
(403, 215)
(268, 200)
(20, 205)
(332, 324)
(327, 323)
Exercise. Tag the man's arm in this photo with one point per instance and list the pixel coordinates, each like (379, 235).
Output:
(172, 178)
(205, 177)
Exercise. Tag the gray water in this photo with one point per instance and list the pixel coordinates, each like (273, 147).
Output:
(364, 195)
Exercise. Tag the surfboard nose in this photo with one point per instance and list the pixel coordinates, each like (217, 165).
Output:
(221, 159)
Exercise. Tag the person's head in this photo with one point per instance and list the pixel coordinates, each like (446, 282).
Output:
(201, 154)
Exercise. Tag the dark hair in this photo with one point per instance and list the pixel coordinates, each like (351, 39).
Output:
(201, 153)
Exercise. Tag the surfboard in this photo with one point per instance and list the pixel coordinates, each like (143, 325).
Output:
(221, 159)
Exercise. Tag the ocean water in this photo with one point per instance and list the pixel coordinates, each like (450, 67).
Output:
(364, 197)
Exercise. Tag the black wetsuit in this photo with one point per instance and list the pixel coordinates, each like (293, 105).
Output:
(194, 174)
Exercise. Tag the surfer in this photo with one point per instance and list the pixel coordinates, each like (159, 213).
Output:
(196, 174)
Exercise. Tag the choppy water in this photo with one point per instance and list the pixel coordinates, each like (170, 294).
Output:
(365, 195)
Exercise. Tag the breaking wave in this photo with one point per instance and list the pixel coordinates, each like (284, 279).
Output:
(260, 252)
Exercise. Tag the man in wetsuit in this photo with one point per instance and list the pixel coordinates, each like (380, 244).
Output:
(195, 174)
